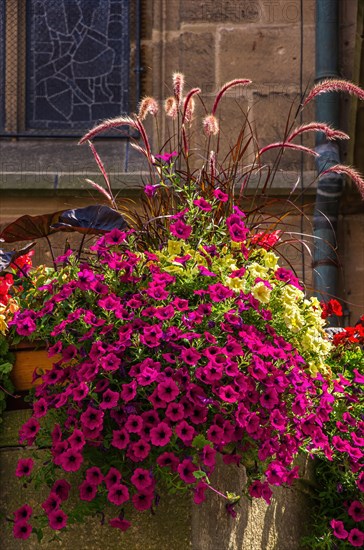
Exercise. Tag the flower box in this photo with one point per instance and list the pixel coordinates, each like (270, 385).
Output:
(26, 361)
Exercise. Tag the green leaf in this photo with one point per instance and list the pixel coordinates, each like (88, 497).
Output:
(5, 368)
(200, 474)
(200, 441)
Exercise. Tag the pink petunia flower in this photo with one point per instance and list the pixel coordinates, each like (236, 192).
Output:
(57, 520)
(23, 513)
(24, 467)
(121, 524)
(161, 434)
(339, 529)
(356, 538)
(186, 469)
(143, 500)
(118, 494)
(22, 530)
(356, 510)
(180, 230)
(141, 479)
(87, 491)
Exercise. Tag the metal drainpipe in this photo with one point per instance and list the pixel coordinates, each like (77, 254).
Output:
(329, 189)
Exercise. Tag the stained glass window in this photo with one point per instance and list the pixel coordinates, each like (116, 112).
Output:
(77, 62)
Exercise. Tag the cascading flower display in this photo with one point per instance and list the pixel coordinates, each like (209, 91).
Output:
(169, 357)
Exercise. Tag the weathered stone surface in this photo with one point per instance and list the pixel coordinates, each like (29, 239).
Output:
(247, 11)
(194, 55)
(351, 273)
(267, 54)
(257, 526)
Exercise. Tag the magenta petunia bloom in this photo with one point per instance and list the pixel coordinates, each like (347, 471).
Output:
(208, 455)
(94, 475)
(166, 157)
(23, 513)
(70, 460)
(77, 440)
(25, 324)
(109, 399)
(339, 529)
(57, 520)
(185, 432)
(118, 523)
(199, 493)
(112, 478)
(356, 510)
(128, 391)
(168, 390)
(120, 438)
(269, 399)
(53, 502)
(28, 431)
(190, 356)
(215, 434)
(92, 418)
(143, 500)
(118, 494)
(228, 394)
(40, 408)
(175, 412)
(356, 538)
(360, 482)
(134, 424)
(219, 292)
(161, 434)
(24, 467)
(61, 489)
(87, 490)
(180, 230)
(168, 460)
(203, 204)
(110, 362)
(276, 474)
(141, 479)
(139, 450)
(22, 530)
(186, 469)
(220, 195)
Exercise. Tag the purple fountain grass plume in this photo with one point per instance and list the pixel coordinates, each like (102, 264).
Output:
(210, 125)
(226, 87)
(142, 151)
(333, 85)
(212, 165)
(178, 84)
(348, 171)
(189, 104)
(286, 145)
(171, 107)
(101, 166)
(330, 132)
(106, 125)
(100, 189)
(144, 135)
(148, 105)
